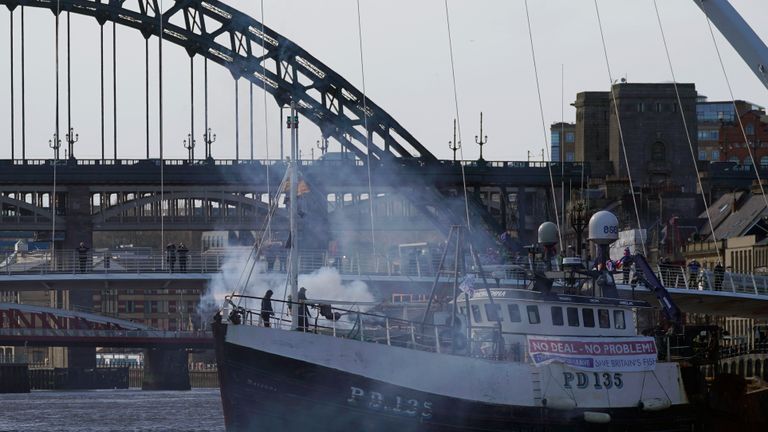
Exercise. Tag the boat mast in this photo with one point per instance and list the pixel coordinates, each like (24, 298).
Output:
(293, 124)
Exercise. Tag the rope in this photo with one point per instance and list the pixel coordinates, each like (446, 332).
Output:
(685, 126)
(458, 117)
(736, 110)
(365, 123)
(543, 123)
(266, 121)
(618, 121)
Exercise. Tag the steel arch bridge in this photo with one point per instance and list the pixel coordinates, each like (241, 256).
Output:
(252, 51)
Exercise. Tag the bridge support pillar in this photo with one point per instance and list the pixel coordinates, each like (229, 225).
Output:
(14, 378)
(165, 369)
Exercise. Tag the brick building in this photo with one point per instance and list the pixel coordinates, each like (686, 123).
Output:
(732, 145)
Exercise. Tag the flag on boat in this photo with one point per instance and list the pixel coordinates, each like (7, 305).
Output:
(301, 189)
(467, 285)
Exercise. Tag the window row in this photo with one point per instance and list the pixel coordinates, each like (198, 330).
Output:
(585, 318)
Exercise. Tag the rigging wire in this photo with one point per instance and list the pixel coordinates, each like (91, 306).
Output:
(736, 111)
(543, 123)
(266, 120)
(160, 127)
(458, 117)
(621, 129)
(365, 124)
(685, 126)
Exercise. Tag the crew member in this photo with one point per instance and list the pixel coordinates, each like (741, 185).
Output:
(304, 314)
(266, 308)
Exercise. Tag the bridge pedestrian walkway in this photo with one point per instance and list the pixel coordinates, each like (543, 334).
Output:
(735, 294)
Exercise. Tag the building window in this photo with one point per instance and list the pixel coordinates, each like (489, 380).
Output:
(570, 137)
(573, 316)
(570, 157)
(640, 107)
(514, 312)
(749, 129)
(764, 161)
(555, 138)
(557, 316)
(533, 314)
(702, 155)
(715, 155)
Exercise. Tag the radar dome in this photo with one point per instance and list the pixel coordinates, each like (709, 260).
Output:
(548, 234)
(603, 227)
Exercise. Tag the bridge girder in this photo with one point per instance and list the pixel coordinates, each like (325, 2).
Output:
(252, 51)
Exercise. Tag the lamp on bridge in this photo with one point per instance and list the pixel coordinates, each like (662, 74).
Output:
(481, 140)
(455, 144)
(55, 144)
(189, 144)
(72, 138)
(208, 139)
(322, 145)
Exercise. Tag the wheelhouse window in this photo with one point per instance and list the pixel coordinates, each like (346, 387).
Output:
(604, 318)
(493, 312)
(476, 314)
(573, 316)
(557, 315)
(588, 317)
(514, 312)
(618, 319)
(533, 314)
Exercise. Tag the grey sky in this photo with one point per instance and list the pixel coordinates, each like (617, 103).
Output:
(406, 64)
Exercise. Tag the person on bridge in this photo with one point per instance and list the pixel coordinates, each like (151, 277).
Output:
(170, 256)
(719, 273)
(182, 251)
(693, 273)
(266, 308)
(82, 256)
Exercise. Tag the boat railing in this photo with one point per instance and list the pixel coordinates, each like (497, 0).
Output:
(355, 323)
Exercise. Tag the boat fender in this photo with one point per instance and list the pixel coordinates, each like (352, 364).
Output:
(597, 417)
(559, 403)
(654, 404)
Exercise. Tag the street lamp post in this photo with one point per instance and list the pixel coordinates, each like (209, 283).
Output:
(208, 139)
(481, 140)
(455, 144)
(72, 138)
(189, 144)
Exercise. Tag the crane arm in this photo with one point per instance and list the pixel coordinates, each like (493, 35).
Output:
(739, 34)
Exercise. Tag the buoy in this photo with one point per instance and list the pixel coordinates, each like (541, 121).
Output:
(655, 404)
(559, 403)
(597, 417)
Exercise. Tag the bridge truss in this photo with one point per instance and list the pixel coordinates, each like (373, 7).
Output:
(252, 51)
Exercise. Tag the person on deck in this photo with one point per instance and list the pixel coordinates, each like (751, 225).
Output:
(304, 314)
(266, 308)
(625, 265)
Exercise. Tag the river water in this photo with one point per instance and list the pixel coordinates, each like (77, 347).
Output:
(112, 411)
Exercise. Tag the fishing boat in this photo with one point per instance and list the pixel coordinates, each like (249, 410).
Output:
(560, 353)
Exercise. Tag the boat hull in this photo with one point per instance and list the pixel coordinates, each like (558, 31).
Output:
(266, 391)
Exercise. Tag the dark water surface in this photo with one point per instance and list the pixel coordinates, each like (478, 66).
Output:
(112, 411)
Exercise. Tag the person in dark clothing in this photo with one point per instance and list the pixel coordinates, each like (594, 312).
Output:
(182, 252)
(266, 308)
(170, 256)
(693, 273)
(625, 265)
(304, 314)
(82, 256)
(719, 273)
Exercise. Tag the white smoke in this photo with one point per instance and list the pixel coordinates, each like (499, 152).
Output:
(323, 284)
